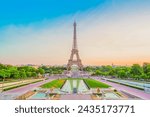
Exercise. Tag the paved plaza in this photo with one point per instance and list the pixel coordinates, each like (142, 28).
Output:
(75, 97)
(139, 93)
(12, 94)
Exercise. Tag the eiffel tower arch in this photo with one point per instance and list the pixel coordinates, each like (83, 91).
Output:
(74, 52)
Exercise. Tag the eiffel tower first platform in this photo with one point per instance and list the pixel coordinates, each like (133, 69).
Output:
(74, 52)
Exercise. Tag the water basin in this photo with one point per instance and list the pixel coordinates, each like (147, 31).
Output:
(75, 86)
(111, 95)
(39, 95)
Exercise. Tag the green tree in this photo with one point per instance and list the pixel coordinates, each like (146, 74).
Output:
(122, 74)
(143, 76)
(146, 67)
(136, 71)
(22, 74)
(16, 74)
(98, 72)
(2, 66)
(29, 74)
(34, 74)
(112, 72)
(148, 75)
(41, 71)
(2, 74)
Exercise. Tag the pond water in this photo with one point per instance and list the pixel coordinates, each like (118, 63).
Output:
(67, 87)
(39, 95)
(75, 86)
(111, 95)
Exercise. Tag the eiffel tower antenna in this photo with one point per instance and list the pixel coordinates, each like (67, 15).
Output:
(74, 52)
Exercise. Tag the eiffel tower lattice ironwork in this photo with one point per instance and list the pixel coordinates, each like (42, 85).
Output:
(74, 51)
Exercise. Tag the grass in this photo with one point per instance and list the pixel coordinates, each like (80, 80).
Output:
(13, 87)
(11, 80)
(54, 84)
(91, 83)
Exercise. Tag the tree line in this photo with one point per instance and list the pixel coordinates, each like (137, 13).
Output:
(10, 71)
(135, 71)
(53, 69)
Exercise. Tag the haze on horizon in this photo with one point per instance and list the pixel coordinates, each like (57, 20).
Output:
(108, 31)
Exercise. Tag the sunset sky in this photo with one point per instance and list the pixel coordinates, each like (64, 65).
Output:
(41, 31)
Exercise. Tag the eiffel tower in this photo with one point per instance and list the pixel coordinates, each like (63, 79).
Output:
(74, 51)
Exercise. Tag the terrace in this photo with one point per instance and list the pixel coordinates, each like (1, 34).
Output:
(75, 88)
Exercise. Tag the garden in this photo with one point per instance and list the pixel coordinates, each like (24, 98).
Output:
(91, 83)
(58, 83)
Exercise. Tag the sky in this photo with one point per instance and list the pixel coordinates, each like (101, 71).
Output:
(41, 31)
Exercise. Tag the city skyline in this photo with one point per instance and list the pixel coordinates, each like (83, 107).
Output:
(108, 32)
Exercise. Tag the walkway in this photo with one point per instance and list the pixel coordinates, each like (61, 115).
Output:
(139, 93)
(75, 97)
(12, 94)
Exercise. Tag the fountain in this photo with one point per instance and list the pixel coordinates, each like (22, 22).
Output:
(75, 86)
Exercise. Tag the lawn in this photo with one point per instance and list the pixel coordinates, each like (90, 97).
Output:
(95, 84)
(18, 83)
(58, 83)
(54, 84)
